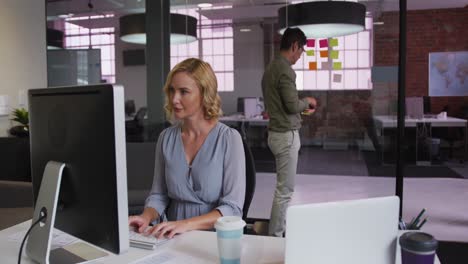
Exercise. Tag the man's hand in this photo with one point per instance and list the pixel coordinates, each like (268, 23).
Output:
(312, 102)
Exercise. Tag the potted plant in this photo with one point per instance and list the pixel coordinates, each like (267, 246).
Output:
(21, 116)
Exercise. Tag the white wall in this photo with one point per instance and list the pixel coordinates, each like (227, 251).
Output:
(23, 63)
(133, 78)
(248, 67)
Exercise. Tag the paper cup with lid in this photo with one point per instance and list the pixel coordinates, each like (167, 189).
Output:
(229, 230)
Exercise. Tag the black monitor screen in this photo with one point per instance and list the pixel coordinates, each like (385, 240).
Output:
(83, 127)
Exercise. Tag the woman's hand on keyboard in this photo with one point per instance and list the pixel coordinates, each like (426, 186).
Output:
(139, 222)
(169, 229)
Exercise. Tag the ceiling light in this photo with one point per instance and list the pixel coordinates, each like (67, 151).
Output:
(204, 5)
(65, 15)
(323, 19)
(133, 28)
(245, 30)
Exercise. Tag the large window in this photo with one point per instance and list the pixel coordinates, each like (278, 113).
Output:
(342, 63)
(214, 45)
(79, 37)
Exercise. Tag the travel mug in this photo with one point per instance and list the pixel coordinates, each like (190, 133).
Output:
(417, 248)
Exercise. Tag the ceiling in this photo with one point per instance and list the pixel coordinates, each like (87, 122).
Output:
(242, 9)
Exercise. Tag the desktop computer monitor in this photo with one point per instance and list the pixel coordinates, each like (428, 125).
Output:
(82, 128)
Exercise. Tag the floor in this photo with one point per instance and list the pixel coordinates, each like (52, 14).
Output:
(351, 174)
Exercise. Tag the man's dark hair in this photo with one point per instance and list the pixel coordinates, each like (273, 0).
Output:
(292, 35)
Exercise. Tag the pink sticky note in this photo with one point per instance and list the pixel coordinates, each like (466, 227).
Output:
(311, 43)
(337, 77)
(323, 43)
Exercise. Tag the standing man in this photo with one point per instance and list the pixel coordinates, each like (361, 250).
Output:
(284, 108)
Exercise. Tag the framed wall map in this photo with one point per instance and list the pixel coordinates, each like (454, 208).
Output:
(448, 73)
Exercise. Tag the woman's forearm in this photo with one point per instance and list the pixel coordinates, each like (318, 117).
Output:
(203, 222)
(150, 214)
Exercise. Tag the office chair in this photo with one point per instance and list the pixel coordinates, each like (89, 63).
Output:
(140, 172)
(129, 107)
(250, 180)
(134, 128)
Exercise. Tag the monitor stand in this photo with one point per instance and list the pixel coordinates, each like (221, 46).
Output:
(40, 237)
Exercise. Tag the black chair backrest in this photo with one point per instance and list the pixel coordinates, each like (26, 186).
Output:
(250, 182)
(140, 116)
(129, 107)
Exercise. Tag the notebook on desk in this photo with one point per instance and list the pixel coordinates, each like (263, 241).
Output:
(351, 232)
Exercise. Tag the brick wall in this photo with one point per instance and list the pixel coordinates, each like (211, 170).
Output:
(428, 31)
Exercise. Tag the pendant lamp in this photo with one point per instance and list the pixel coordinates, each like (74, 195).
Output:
(133, 28)
(323, 19)
(54, 39)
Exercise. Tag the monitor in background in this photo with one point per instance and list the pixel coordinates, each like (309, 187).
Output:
(80, 131)
(250, 106)
(414, 107)
(130, 107)
(353, 232)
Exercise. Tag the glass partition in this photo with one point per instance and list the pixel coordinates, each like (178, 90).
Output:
(348, 146)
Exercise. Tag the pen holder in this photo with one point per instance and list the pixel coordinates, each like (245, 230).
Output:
(410, 227)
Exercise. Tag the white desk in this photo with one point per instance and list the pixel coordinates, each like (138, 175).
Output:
(386, 121)
(197, 246)
(242, 119)
(243, 123)
(391, 122)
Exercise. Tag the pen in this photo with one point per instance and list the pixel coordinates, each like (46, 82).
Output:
(416, 220)
(422, 223)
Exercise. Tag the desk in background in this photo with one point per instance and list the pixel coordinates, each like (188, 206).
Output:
(196, 246)
(243, 123)
(385, 122)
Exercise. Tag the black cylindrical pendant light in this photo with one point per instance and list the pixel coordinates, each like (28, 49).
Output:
(133, 29)
(324, 19)
(183, 29)
(54, 38)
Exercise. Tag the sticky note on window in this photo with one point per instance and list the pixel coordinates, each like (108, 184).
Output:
(337, 77)
(334, 54)
(324, 54)
(323, 43)
(313, 65)
(333, 42)
(310, 53)
(311, 43)
(337, 65)
(325, 65)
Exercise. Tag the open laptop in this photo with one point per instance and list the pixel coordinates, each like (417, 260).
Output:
(352, 232)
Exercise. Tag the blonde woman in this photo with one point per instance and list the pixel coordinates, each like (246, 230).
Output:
(200, 163)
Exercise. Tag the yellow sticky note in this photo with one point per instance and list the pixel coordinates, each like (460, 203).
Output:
(334, 54)
(310, 53)
(324, 53)
(313, 65)
(333, 42)
(337, 65)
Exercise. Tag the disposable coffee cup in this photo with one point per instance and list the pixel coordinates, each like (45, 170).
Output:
(229, 230)
(417, 248)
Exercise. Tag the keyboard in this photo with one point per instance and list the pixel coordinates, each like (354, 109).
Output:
(146, 242)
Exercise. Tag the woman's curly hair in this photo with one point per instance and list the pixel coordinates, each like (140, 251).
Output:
(203, 75)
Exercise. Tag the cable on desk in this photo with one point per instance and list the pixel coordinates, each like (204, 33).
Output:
(44, 216)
